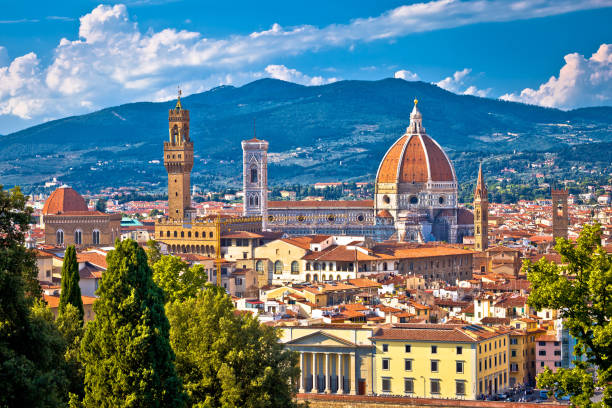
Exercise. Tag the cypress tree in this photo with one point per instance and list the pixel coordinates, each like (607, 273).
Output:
(126, 349)
(71, 292)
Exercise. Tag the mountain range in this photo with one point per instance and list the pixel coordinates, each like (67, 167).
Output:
(334, 132)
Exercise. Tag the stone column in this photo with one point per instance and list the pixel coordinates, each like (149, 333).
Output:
(327, 374)
(302, 373)
(339, 368)
(313, 368)
(353, 377)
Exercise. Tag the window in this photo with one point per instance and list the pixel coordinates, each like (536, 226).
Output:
(407, 348)
(278, 267)
(556, 343)
(434, 386)
(541, 364)
(259, 266)
(541, 343)
(295, 267)
(78, 237)
(557, 364)
(557, 352)
(460, 387)
(513, 341)
(253, 175)
(59, 237)
(408, 385)
(434, 349)
(479, 365)
(542, 352)
(459, 350)
(513, 353)
(459, 366)
(434, 366)
(95, 237)
(386, 384)
(385, 348)
(408, 365)
(386, 363)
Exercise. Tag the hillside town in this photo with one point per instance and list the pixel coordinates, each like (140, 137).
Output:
(409, 294)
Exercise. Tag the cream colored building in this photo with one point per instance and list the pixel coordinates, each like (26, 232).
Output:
(334, 359)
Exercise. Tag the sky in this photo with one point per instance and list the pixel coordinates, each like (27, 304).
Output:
(62, 58)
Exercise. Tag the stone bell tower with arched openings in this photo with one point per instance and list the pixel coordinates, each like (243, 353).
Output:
(255, 178)
(178, 160)
(481, 214)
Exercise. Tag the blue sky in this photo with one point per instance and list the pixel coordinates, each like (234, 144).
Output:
(72, 57)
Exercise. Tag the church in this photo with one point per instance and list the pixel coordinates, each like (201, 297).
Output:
(415, 196)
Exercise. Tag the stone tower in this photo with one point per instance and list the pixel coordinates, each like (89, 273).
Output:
(178, 160)
(481, 214)
(560, 214)
(255, 178)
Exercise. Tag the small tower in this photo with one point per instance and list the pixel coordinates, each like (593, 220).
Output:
(559, 213)
(481, 214)
(178, 160)
(255, 178)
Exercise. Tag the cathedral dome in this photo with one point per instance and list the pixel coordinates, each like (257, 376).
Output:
(415, 158)
(63, 200)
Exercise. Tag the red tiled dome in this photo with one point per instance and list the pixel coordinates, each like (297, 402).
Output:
(415, 158)
(62, 200)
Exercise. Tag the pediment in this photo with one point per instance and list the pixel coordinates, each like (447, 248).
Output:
(321, 338)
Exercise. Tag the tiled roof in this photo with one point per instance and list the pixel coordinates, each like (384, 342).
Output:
(93, 258)
(62, 200)
(241, 234)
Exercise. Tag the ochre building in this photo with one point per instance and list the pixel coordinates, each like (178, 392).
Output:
(67, 221)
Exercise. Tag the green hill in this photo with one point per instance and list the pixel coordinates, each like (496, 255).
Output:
(333, 132)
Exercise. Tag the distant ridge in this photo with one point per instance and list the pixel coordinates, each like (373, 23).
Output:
(341, 129)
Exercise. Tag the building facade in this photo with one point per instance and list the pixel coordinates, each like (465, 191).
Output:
(67, 221)
(560, 215)
(415, 199)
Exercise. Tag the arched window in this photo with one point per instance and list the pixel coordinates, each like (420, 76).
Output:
(315, 278)
(174, 134)
(323, 278)
(174, 234)
(307, 277)
(182, 234)
(338, 277)
(95, 237)
(197, 234)
(317, 267)
(253, 175)
(167, 233)
(78, 237)
(251, 201)
(278, 267)
(59, 237)
(210, 234)
(188, 234)
(259, 267)
(257, 200)
(295, 267)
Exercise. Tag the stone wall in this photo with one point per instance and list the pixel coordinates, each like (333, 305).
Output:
(366, 401)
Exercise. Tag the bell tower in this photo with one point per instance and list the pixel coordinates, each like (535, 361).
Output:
(481, 214)
(178, 160)
(255, 178)
(560, 213)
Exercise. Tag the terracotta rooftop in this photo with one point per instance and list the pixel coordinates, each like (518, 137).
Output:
(62, 200)
(415, 158)
(435, 332)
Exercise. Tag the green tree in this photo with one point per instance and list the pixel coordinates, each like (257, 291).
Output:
(177, 279)
(581, 290)
(71, 292)
(31, 370)
(227, 359)
(70, 325)
(126, 352)
(101, 205)
(153, 252)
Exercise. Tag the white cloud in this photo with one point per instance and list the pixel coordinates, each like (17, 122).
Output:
(581, 82)
(113, 61)
(293, 75)
(457, 84)
(406, 75)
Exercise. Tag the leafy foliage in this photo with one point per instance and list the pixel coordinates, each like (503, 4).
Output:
(177, 279)
(70, 325)
(153, 252)
(127, 355)
(71, 292)
(101, 205)
(228, 359)
(581, 289)
(31, 363)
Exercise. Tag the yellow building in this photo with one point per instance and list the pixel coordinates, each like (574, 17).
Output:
(280, 261)
(440, 361)
(522, 351)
